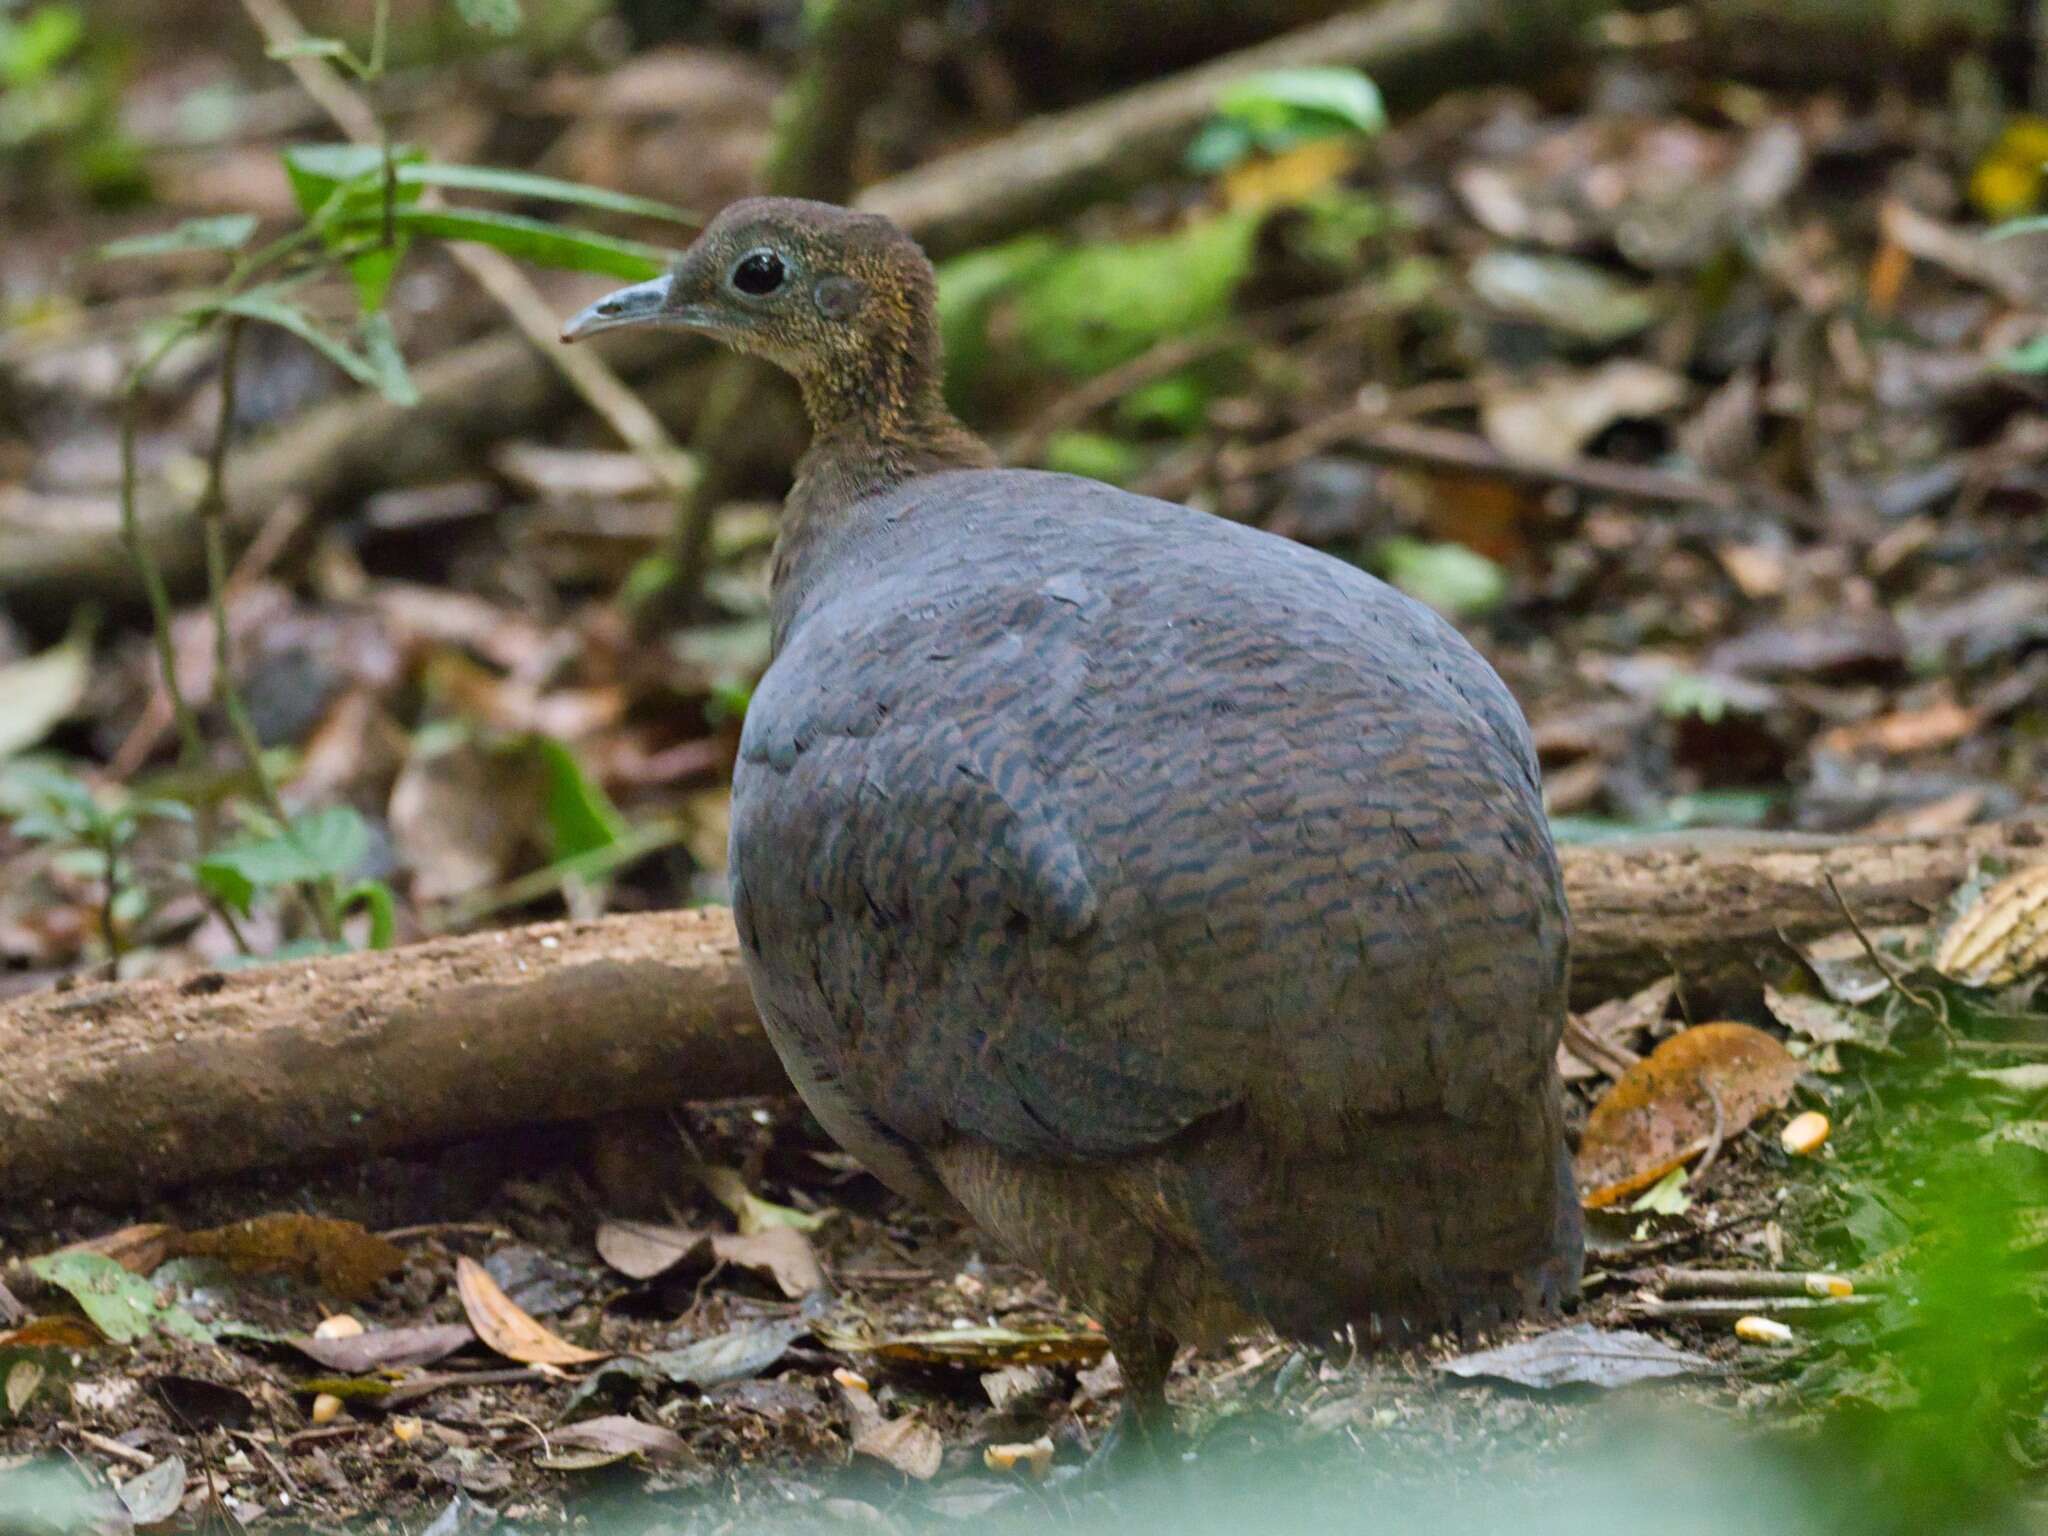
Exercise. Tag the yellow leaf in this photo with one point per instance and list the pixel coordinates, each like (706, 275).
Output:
(505, 1327)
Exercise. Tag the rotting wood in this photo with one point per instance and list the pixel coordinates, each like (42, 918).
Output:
(114, 1089)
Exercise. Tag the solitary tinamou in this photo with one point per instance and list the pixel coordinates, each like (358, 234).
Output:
(1171, 899)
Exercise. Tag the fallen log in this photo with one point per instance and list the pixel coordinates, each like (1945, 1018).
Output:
(110, 1090)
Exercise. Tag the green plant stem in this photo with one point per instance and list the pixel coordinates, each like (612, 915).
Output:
(192, 744)
(212, 514)
(110, 846)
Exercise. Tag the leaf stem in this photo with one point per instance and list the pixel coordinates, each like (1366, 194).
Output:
(212, 516)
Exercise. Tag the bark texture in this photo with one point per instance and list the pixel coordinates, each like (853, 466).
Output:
(111, 1090)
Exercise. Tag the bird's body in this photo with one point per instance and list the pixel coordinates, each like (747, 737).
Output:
(1175, 901)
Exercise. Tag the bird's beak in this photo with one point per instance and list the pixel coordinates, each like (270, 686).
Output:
(642, 304)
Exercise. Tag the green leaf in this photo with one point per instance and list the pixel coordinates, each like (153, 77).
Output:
(380, 349)
(1334, 96)
(537, 241)
(1456, 581)
(42, 780)
(326, 844)
(374, 897)
(121, 1305)
(30, 49)
(269, 306)
(318, 171)
(337, 183)
(1666, 1197)
(581, 817)
(2031, 358)
(484, 178)
(499, 16)
(1285, 107)
(1095, 455)
(228, 232)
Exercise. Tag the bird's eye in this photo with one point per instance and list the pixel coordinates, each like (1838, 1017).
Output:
(759, 273)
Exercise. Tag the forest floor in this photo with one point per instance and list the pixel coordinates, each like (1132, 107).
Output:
(1704, 409)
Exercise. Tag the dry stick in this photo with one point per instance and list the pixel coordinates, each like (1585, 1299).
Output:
(1819, 1308)
(1675, 1280)
(588, 374)
(1367, 430)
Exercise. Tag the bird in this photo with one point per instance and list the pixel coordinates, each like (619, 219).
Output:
(1170, 900)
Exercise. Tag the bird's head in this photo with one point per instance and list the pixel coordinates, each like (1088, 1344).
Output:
(842, 300)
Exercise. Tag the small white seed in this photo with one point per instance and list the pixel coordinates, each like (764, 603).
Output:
(326, 1408)
(1805, 1134)
(1830, 1285)
(853, 1381)
(1762, 1330)
(339, 1326)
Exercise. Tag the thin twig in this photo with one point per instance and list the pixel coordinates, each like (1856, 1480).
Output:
(1820, 1308)
(1717, 1140)
(1932, 1002)
(1178, 352)
(192, 744)
(212, 513)
(1366, 430)
(1676, 1281)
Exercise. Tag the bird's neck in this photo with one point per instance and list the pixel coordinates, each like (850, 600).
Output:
(872, 428)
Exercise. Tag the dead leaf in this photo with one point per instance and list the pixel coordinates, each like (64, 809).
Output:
(1604, 1038)
(1825, 1022)
(907, 1443)
(1707, 1081)
(382, 1349)
(137, 1249)
(2002, 936)
(22, 1381)
(617, 1435)
(1581, 1355)
(1550, 418)
(37, 694)
(1014, 1384)
(507, 1329)
(752, 1212)
(738, 1355)
(461, 816)
(641, 1250)
(1033, 1456)
(341, 1256)
(1904, 732)
(152, 1497)
(56, 1332)
(1844, 969)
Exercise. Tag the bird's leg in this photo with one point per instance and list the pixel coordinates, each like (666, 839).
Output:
(1143, 1437)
